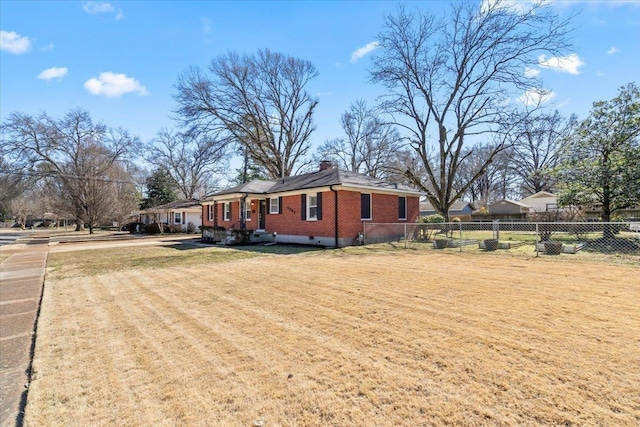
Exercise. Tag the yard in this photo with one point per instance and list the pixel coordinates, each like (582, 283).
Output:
(371, 335)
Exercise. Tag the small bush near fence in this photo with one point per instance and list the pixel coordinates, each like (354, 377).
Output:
(619, 238)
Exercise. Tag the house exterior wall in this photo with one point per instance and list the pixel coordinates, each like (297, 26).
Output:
(540, 203)
(505, 207)
(289, 226)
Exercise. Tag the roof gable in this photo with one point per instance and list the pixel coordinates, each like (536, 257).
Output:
(539, 195)
(512, 202)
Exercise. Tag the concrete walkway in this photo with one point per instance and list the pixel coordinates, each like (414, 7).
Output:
(21, 283)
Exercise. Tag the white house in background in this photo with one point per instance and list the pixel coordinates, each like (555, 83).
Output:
(542, 201)
(180, 212)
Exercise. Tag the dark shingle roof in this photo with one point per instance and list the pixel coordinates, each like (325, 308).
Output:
(180, 204)
(458, 205)
(317, 179)
(255, 186)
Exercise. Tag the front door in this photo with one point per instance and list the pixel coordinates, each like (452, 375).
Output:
(262, 215)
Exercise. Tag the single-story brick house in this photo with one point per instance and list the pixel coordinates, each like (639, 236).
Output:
(180, 212)
(325, 208)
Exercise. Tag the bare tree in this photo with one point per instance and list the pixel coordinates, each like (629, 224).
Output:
(449, 81)
(370, 145)
(77, 153)
(536, 143)
(496, 183)
(259, 100)
(192, 162)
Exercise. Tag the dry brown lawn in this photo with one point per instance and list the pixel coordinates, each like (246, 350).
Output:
(335, 338)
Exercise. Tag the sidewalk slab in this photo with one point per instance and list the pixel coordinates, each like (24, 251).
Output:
(21, 283)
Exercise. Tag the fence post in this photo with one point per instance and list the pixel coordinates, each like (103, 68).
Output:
(461, 243)
(537, 237)
(496, 229)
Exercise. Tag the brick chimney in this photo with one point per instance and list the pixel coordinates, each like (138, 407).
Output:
(326, 164)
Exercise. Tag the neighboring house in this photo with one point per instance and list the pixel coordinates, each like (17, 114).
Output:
(542, 201)
(506, 206)
(180, 212)
(459, 207)
(325, 208)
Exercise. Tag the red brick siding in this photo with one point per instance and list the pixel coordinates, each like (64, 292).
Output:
(205, 216)
(384, 208)
(289, 221)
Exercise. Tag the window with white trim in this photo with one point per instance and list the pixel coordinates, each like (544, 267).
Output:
(177, 218)
(227, 211)
(312, 207)
(274, 205)
(210, 212)
(247, 210)
(402, 207)
(365, 206)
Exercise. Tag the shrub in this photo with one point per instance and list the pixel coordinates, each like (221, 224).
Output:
(155, 228)
(428, 232)
(431, 219)
(191, 227)
(175, 228)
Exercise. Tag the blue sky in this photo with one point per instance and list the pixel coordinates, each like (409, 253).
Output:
(120, 59)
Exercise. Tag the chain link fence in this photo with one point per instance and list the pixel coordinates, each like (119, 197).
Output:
(610, 239)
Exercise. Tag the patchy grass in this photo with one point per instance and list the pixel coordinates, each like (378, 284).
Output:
(374, 335)
(100, 261)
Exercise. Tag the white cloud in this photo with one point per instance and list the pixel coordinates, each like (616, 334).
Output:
(13, 42)
(567, 64)
(613, 50)
(48, 47)
(114, 85)
(535, 96)
(53, 73)
(368, 48)
(599, 74)
(531, 72)
(515, 6)
(95, 7)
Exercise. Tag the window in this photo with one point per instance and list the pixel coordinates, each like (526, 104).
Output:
(177, 218)
(365, 206)
(312, 207)
(210, 212)
(247, 210)
(402, 207)
(227, 211)
(274, 205)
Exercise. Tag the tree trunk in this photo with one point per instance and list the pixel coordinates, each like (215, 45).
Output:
(606, 213)
(79, 225)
